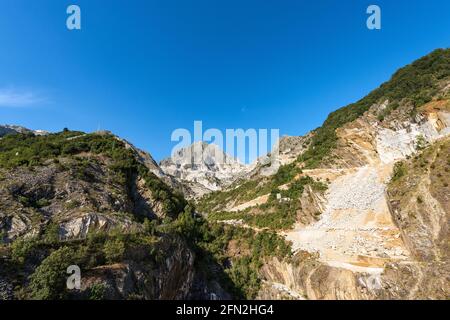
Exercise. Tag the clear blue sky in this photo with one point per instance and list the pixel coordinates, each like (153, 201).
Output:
(144, 68)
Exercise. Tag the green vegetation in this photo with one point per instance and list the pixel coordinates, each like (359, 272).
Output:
(3, 235)
(277, 213)
(22, 248)
(250, 189)
(30, 150)
(51, 234)
(97, 291)
(400, 170)
(84, 169)
(29, 202)
(27, 150)
(240, 274)
(114, 250)
(48, 281)
(41, 203)
(416, 83)
(72, 204)
(80, 154)
(421, 143)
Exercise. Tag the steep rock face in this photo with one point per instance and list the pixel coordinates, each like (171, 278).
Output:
(78, 196)
(419, 202)
(306, 278)
(364, 237)
(170, 279)
(419, 198)
(202, 168)
(285, 152)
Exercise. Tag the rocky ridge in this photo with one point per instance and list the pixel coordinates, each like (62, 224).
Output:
(202, 168)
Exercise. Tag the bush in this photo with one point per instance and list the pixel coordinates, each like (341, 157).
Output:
(71, 204)
(30, 150)
(421, 143)
(41, 203)
(245, 277)
(51, 235)
(48, 282)
(400, 170)
(114, 250)
(150, 226)
(22, 248)
(97, 291)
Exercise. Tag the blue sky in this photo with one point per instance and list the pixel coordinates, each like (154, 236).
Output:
(144, 68)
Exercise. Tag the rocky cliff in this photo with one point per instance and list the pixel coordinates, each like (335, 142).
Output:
(357, 230)
(202, 168)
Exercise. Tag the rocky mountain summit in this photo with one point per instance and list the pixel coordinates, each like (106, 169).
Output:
(202, 168)
(214, 170)
(12, 129)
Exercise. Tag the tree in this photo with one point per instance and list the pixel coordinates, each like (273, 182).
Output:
(114, 250)
(48, 282)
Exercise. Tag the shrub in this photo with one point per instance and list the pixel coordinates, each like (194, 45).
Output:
(51, 235)
(41, 203)
(150, 226)
(400, 170)
(97, 291)
(24, 200)
(421, 143)
(22, 248)
(114, 250)
(48, 282)
(3, 235)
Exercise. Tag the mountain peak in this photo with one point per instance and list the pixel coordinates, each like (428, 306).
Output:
(203, 167)
(14, 129)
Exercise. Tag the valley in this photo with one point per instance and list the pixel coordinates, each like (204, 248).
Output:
(355, 209)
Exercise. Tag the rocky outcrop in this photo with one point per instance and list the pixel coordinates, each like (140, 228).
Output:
(376, 239)
(169, 279)
(202, 168)
(79, 196)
